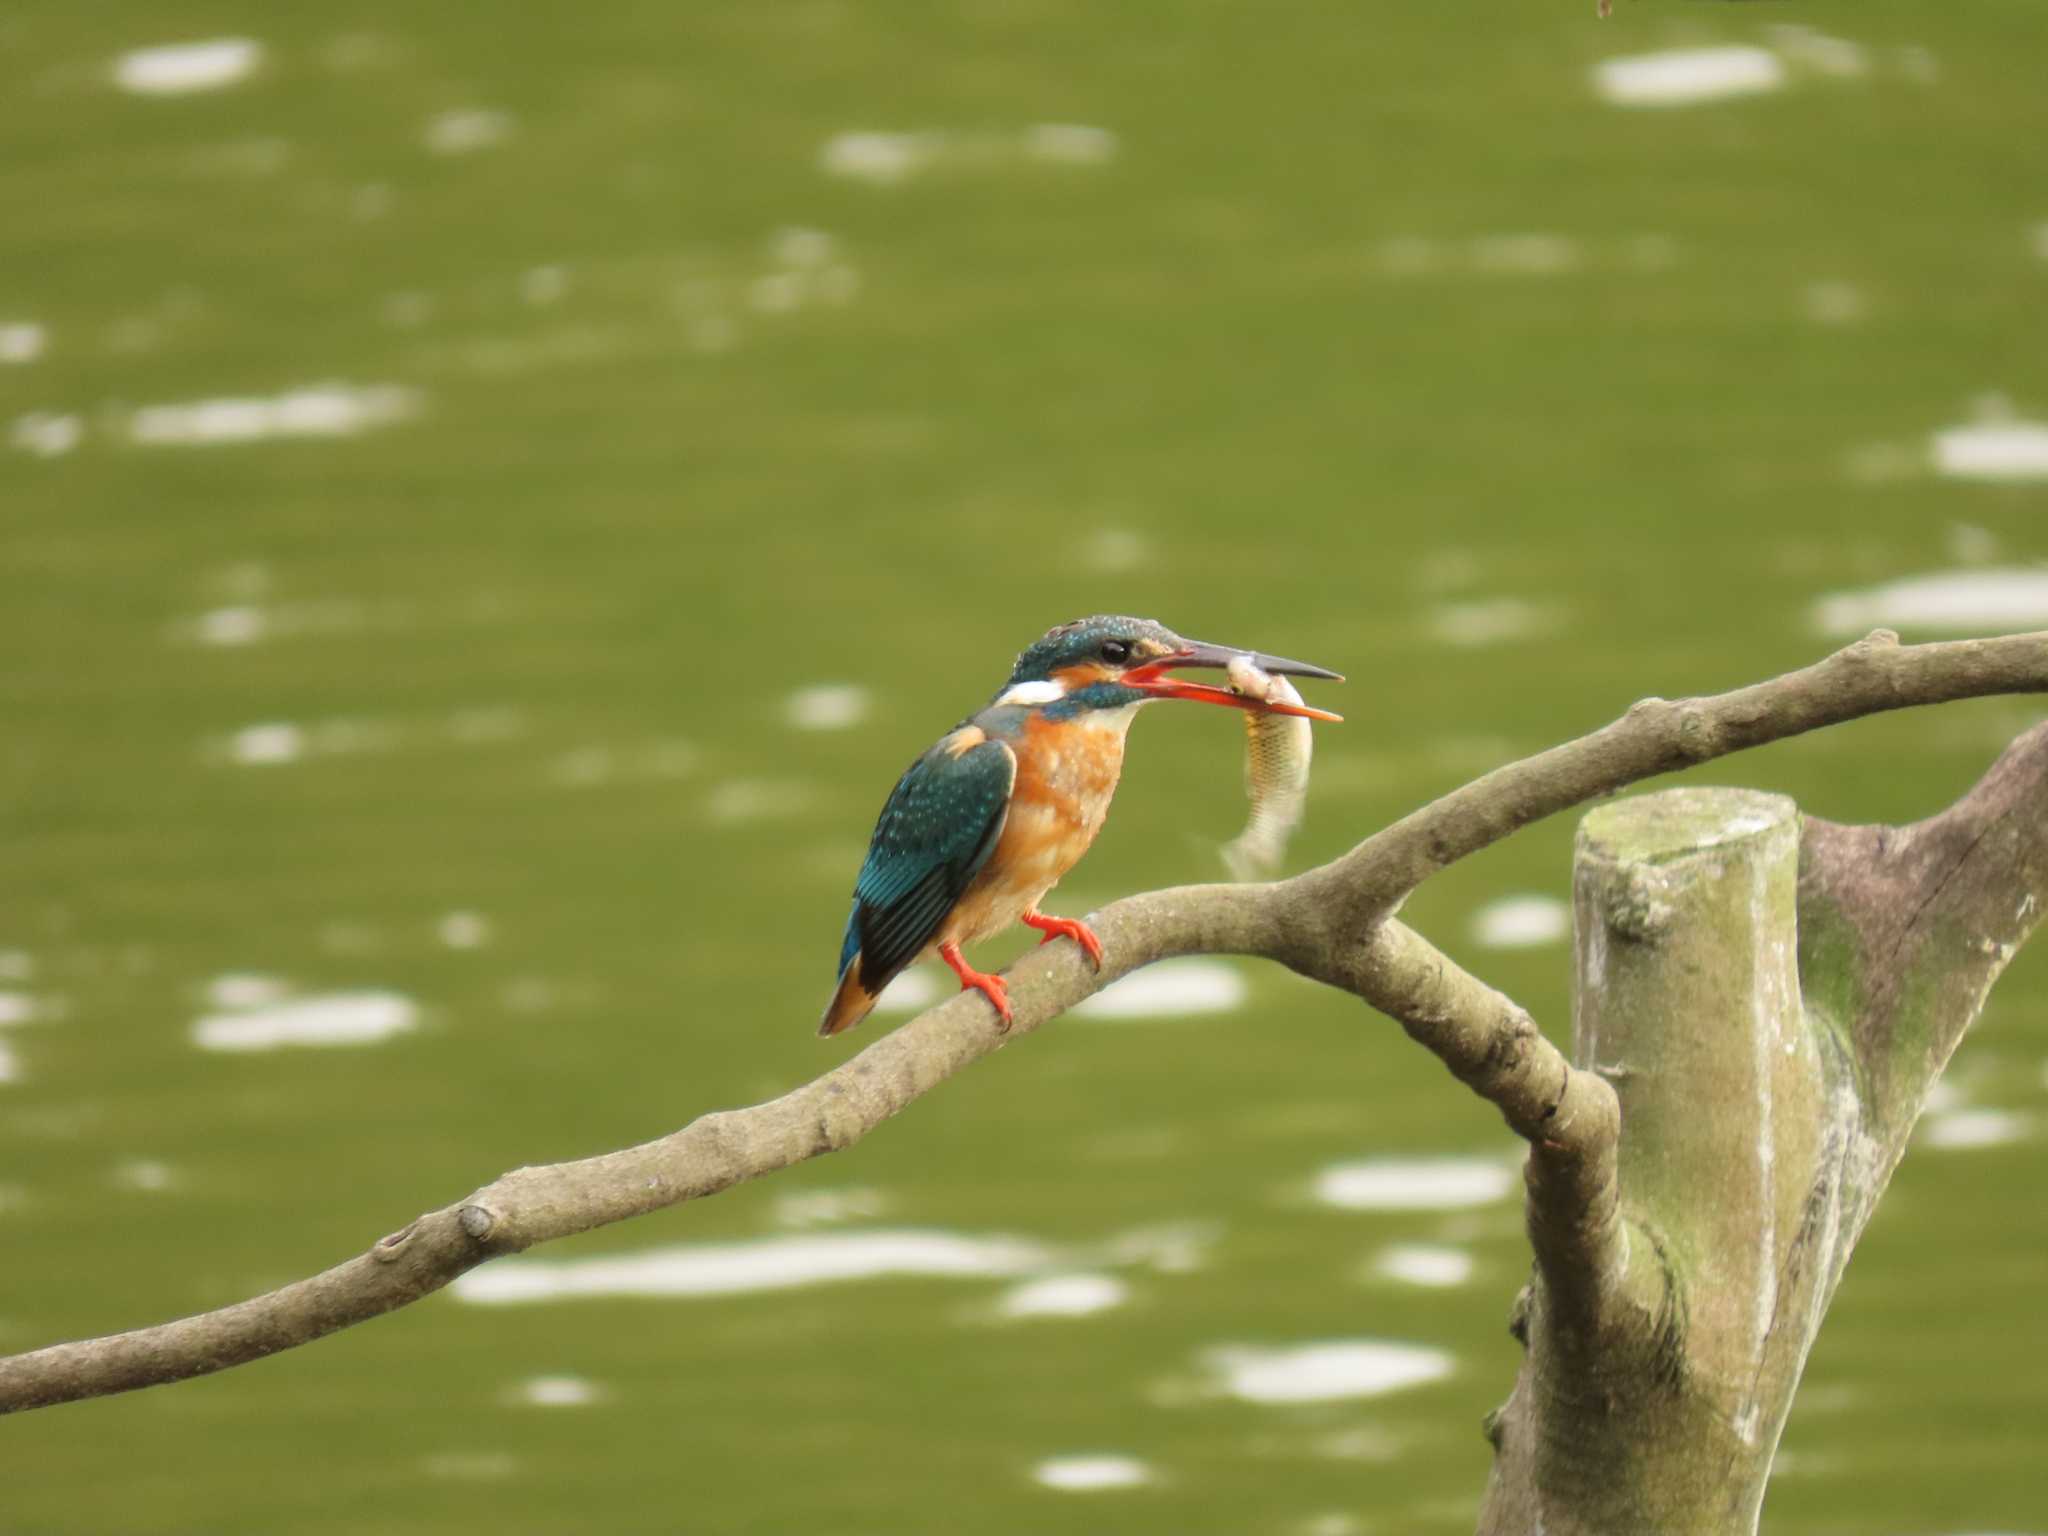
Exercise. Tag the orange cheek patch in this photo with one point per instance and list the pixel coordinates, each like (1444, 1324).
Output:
(1077, 677)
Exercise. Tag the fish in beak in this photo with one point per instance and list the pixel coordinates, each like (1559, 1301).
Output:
(1151, 678)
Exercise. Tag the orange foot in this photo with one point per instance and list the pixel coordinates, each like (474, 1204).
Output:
(994, 988)
(1067, 928)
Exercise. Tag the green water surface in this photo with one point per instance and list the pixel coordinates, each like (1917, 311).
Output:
(1368, 334)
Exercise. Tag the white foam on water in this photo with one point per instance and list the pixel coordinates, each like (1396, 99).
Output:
(777, 293)
(1833, 302)
(328, 737)
(886, 159)
(583, 767)
(2010, 597)
(713, 333)
(1074, 1295)
(1414, 1184)
(1329, 1371)
(530, 994)
(880, 159)
(1993, 450)
(10, 1064)
(746, 1268)
(239, 625)
(406, 310)
(470, 1466)
(557, 1392)
(1521, 922)
(1426, 1264)
(145, 1175)
(1820, 52)
(1112, 551)
(178, 69)
(1964, 1129)
(827, 1207)
(1170, 989)
(737, 802)
(544, 285)
(826, 707)
(21, 341)
(47, 434)
(481, 723)
(464, 930)
(1684, 77)
(467, 130)
(1171, 1248)
(1918, 64)
(1533, 254)
(1095, 1473)
(1070, 143)
(1488, 621)
(236, 990)
(316, 410)
(911, 992)
(1970, 545)
(16, 1008)
(329, 1019)
(797, 247)
(1408, 256)
(275, 741)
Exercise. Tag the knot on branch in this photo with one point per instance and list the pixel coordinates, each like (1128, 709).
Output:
(1868, 648)
(1699, 735)
(843, 1114)
(1634, 902)
(1509, 1046)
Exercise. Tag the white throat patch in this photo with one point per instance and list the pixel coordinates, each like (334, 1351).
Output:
(1042, 692)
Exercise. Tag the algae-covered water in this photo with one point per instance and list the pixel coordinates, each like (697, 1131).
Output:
(491, 496)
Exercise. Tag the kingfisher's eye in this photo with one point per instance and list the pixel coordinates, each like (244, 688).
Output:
(1116, 652)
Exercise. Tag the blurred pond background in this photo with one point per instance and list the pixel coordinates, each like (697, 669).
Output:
(491, 497)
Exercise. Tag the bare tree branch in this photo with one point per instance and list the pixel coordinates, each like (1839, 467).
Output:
(1662, 735)
(1774, 996)
(1331, 923)
(1926, 916)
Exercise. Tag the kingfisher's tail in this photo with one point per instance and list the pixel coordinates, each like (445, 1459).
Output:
(850, 1004)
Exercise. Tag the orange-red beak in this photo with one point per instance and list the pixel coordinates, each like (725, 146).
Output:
(1151, 678)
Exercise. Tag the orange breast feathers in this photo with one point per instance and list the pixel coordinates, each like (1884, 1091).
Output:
(1066, 774)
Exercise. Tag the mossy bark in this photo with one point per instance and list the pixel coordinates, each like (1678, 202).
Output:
(1770, 998)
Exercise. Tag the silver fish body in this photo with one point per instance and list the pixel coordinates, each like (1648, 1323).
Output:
(1277, 749)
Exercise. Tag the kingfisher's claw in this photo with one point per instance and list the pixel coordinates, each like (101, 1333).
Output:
(1067, 928)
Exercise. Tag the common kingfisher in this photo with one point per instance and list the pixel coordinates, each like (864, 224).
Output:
(980, 827)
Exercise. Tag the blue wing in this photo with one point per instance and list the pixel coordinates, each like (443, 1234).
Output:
(934, 835)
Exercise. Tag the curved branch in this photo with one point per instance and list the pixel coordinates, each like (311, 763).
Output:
(1329, 923)
(1662, 735)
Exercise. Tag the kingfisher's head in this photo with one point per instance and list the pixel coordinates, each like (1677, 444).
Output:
(1110, 661)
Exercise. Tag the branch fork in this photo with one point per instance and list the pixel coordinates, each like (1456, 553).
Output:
(1610, 1290)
